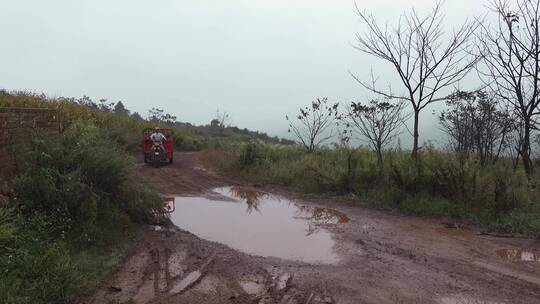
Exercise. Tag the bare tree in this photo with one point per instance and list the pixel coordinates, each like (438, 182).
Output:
(221, 121)
(426, 58)
(378, 123)
(313, 123)
(516, 142)
(511, 57)
(475, 123)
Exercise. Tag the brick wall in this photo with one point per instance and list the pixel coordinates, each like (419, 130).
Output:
(16, 128)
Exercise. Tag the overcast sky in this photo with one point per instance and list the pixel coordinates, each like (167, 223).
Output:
(256, 59)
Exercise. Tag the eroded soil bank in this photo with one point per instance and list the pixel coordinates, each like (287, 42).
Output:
(381, 258)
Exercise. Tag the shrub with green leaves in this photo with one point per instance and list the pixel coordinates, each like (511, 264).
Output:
(250, 154)
(34, 269)
(75, 204)
(80, 180)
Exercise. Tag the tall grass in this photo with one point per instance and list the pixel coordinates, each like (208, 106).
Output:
(444, 184)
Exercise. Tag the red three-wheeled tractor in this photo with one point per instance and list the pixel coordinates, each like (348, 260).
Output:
(157, 153)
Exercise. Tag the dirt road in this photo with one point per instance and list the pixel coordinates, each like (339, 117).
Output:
(383, 258)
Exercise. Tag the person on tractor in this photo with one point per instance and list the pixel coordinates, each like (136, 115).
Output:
(157, 136)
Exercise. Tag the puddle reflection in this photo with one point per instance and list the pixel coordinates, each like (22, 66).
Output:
(278, 227)
(251, 197)
(318, 217)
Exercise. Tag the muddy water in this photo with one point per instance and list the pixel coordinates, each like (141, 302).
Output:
(261, 224)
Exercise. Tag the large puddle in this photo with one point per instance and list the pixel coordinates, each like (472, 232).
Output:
(261, 224)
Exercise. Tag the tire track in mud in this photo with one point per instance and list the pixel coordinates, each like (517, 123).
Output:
(219, 275)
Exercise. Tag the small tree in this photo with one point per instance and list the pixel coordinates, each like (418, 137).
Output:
(158, 115)
(136, 115)
(458, 124)
(221, 121)
(106, 106)
(345, 135)
(475, 124)
(312, 127)
(377, 122)
(120, 109)
(214, 123)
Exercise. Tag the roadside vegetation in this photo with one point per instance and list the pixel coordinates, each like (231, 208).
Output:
(68, 215)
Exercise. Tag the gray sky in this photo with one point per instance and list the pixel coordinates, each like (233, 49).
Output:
(256, 59)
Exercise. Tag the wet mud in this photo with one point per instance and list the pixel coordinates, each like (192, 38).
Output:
(177, 268)
(457, 232)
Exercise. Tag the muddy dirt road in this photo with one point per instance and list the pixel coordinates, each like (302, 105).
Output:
(377, 257)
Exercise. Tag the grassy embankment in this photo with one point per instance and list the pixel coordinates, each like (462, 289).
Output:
(68, 216)
(441, 184)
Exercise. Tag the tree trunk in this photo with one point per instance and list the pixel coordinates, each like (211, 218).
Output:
(415, 134)
(378, 151)
(350, 173)
(526, 148)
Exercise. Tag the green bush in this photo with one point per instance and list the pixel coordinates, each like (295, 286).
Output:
(250, 154)
(524, 222)
(34, 269)
(81, 179)
(75, 206)
(7, 228)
